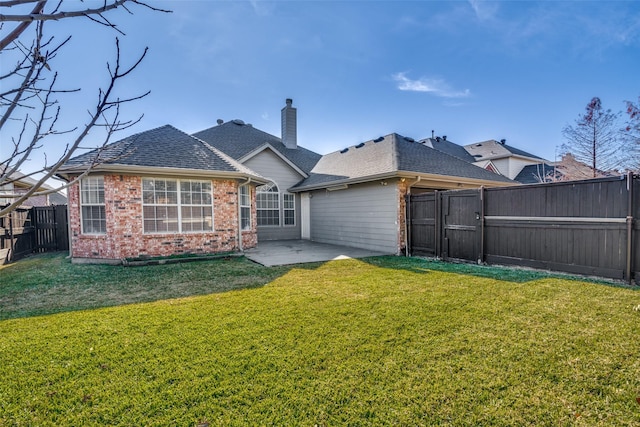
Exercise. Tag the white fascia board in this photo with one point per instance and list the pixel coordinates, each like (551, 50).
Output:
(178, 172)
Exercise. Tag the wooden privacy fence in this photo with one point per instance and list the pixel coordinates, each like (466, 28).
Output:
(584, 227)
(32, 230)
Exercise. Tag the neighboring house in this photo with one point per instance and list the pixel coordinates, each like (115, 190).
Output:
(20, 183)
(501, 158)
(572, 169)
(229, 186)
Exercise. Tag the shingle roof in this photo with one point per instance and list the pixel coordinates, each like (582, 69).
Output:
(491, 149)
(391, 154)
(450, 148)
(534, 174)
(238, 139)
(163, 147)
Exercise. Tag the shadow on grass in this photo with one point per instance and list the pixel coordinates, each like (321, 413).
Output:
(50, 283)
(507, 274)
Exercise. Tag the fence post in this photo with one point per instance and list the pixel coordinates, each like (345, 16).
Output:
(436, 224)
(629, 225)
(407, 225)
(11, 242)
(482, 195)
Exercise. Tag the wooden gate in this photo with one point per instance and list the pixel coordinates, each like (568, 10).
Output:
(461, 225)
(33, 229)
(423, 224)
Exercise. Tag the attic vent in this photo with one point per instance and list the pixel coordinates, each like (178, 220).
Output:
(379, 139)
(477, 156)
(503, 141)
(220, 121)
(406, 138)
(238, 122)
(438, 138)
(478, 145)
(360, 145)
(344, 150)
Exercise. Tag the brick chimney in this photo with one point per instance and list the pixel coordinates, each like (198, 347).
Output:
(289, 125)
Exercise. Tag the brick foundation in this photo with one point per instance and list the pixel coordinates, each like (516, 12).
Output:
(125, 237)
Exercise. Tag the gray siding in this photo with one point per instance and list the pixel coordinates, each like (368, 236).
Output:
(274, 168)
(362, 216)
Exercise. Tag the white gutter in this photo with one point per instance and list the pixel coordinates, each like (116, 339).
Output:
(240, 248)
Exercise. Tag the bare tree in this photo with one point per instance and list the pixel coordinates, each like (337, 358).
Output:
(29, 96)
(631, 133)
(594, 139)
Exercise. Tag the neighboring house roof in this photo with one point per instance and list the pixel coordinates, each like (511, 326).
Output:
(572, 169)
(493, 149)
(450, 148)
(240, 140)
(534, 174)
(21, 180)
(162, 148)
(19, 183)
(392, 155)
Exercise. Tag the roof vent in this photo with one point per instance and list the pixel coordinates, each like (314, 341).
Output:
(238, 122)
(381, 138)
(360, 145)
(344, 150)
(406, 138)
(444, 137)
(220, 121)
(503, 141)
(438, 138)
(477, 156)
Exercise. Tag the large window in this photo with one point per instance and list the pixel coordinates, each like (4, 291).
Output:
(92, 205)
(245, 207)
(165, 209)
(268, 204)
(289, 206)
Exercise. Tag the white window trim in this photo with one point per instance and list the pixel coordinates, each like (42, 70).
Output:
(285, 209)
(83, 204)
(271, 184)
(178, 206)
(241, 205)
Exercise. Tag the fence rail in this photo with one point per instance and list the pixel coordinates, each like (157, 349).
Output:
(585, 227)
(36, 229)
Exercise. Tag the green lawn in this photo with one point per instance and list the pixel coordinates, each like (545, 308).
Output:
(381, 341)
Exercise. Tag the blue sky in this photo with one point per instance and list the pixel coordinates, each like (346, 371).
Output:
(472, 70)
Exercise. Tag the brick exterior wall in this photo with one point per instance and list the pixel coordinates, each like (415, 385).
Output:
(125, 238)
(402, 206)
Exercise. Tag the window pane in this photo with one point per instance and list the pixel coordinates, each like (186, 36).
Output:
(161, 206)
(245, 218)
(93, 219)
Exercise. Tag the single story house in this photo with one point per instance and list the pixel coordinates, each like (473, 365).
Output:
(158, 193)
(225, 188)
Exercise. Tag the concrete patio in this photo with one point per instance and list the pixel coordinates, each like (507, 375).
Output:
(285, 252)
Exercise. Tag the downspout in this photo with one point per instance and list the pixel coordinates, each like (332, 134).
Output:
(240, 214)
(406, 226)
